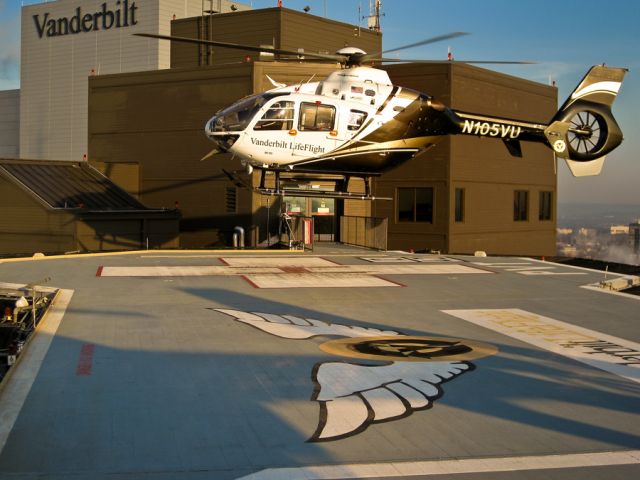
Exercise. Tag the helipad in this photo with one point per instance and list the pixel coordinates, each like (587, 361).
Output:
(169, 365)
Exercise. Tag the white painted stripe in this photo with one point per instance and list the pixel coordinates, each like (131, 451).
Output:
(315, 280)
(387, 259)
(17, 384)
(500, 264)
(448, 467)
(548, 272)
(528, 268)
(611, 354)
(412, 269)
(182, 271)
(606, 87)
(324, 269)
(277, 262)
(416, 259)
(524, 269)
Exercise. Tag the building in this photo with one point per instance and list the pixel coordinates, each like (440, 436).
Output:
(619, 230)
(9, 123)
(474, 193)
(161, 164)
(65, 42)
(135, 108)
(56, 207)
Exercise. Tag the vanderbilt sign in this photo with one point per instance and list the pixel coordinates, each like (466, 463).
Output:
(123, 15)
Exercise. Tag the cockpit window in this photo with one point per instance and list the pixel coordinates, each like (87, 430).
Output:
(279, 116)
(236, 117)
(316, 117)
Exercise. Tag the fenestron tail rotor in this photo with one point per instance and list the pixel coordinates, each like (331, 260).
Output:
(587, 133)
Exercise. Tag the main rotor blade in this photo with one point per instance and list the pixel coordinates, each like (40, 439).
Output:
(439, 38)
(505, 62)
(250, 48)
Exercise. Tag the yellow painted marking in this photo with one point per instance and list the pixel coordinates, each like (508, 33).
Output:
(345, 347)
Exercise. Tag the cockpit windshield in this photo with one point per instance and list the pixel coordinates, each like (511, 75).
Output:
(236, 117)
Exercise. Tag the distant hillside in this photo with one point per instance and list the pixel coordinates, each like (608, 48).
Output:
(579, 215)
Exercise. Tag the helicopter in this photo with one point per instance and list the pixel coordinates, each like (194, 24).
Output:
(356, 123)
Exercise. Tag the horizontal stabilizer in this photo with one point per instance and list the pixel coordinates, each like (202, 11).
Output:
(585, 169)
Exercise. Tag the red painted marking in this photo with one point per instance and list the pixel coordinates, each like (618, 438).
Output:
(223, 261)
(99, 272)
(85, 362)
(390, 281)
(294, 269)
(254, 285)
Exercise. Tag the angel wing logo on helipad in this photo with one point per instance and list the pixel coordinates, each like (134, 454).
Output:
(352, 396)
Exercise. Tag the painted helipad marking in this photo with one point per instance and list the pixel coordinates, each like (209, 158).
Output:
(611, 354)
(528, 268)
(181, 271)
(277, 262)
(449, 467)
(421, 259)
(85, 361)
(315, 280)
(285, 269)
(408, 375)
(386, 259)
(17, 384)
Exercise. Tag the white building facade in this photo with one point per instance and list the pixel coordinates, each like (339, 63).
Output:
(9, 123)
(66, 41)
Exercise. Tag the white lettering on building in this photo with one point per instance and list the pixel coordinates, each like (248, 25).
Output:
(123, 15)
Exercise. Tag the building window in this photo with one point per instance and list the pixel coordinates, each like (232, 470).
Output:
(521, 206)
(231, 203)
(459, 204)
(415, 204)
(279, 116)
(316, 118)
(546, 205)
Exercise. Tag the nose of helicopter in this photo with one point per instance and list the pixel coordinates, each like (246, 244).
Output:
(216, 132)
(214, 125)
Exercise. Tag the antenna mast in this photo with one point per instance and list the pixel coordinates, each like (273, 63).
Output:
(375, 6)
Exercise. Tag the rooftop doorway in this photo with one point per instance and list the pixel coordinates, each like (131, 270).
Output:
(323, 212)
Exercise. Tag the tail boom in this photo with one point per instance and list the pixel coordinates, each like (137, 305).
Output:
(582, 131)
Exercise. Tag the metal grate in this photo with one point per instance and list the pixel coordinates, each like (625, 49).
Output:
(231, 199)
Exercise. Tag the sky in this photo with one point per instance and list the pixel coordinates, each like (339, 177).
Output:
(565, 37)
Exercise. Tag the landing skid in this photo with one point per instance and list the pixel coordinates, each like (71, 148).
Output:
(280, 190)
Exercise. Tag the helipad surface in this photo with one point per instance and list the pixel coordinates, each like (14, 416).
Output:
(359, 365)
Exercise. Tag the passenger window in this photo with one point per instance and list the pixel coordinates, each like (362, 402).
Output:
(316, 117)
(356, 119)
(279, 116)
